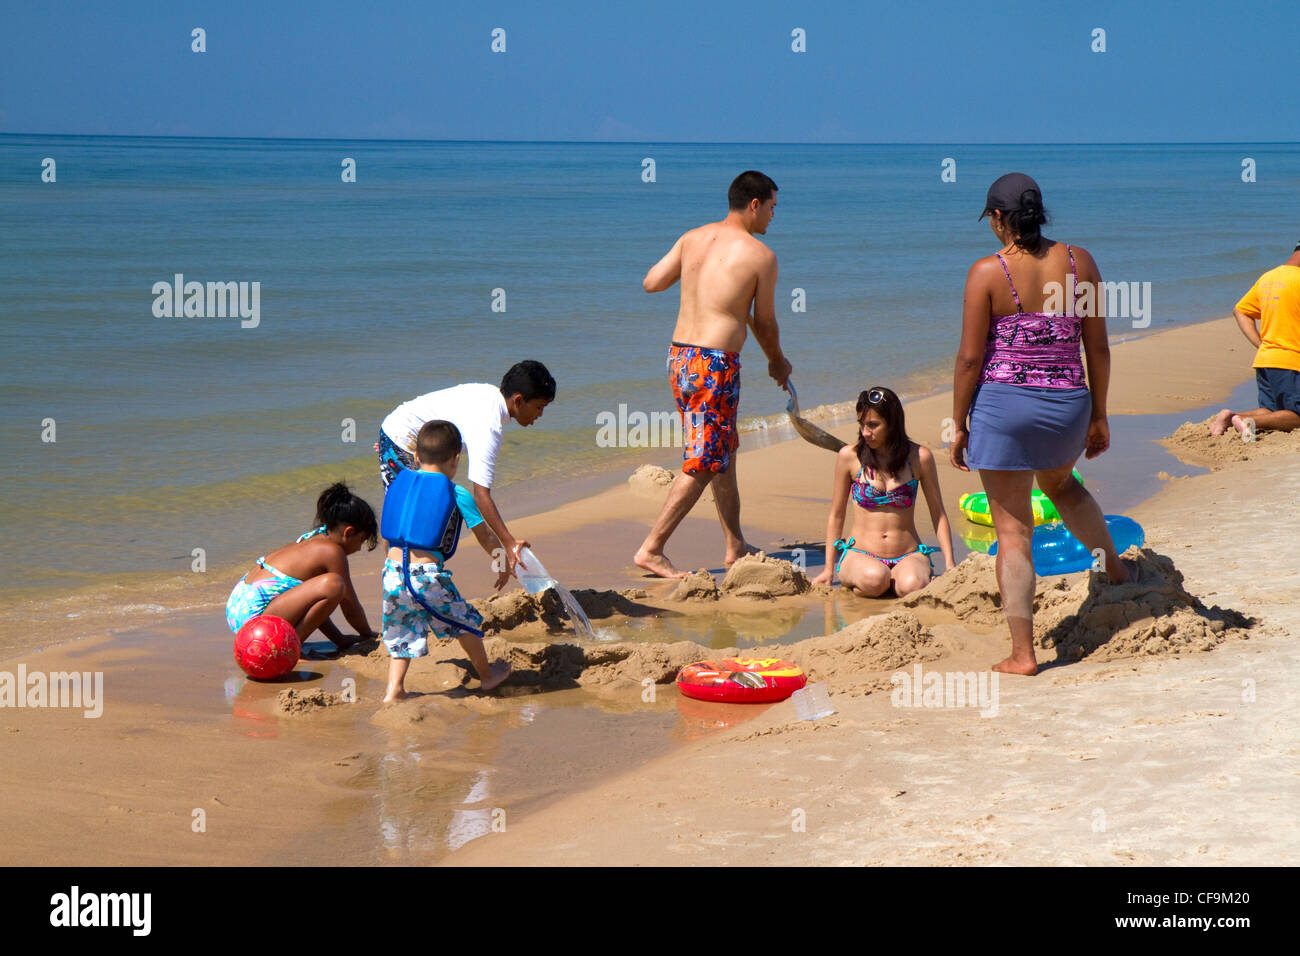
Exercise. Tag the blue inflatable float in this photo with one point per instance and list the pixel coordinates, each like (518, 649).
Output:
(1056, 551)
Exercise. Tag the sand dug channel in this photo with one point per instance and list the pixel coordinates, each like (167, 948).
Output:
(1077, 616)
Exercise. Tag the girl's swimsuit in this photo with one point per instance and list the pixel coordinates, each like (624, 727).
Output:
(247, 600)
(870, 499)
(844, 547)
(866, 495)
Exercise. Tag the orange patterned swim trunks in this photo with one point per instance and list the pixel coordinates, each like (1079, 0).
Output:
(706, 385)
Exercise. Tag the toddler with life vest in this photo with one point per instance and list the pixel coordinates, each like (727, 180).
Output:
(423, 514)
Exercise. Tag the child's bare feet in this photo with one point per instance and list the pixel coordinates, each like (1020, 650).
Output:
(499, 672)
(393, 695)
(1219, 424)
(1027, 667)
(656, 562)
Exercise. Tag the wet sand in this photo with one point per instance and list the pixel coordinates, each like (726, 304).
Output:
(504, 779)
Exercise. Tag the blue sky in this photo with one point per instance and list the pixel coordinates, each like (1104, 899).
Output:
(700, 71)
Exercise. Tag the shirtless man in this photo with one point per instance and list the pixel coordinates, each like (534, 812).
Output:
(724, 271)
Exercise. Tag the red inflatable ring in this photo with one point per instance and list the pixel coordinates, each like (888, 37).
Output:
(741, 680)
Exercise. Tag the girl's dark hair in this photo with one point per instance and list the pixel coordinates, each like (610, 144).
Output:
(898, 447)
(1025, 222)
(337, 506)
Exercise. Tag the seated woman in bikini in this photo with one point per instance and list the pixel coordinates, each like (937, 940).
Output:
(883, 472)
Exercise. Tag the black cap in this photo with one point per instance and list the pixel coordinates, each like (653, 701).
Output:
(1005, 193)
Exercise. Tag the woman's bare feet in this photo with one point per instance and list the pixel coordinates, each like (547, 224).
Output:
(499, 672)
(1027, 667)
(657, 563)
(1134, 574)
(1219, 424)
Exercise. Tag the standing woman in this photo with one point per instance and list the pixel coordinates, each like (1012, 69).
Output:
(1032, 412)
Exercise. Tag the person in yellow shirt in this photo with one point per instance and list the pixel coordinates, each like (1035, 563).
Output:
(1274, 302)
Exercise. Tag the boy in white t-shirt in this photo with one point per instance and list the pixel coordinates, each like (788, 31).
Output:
(480, 411)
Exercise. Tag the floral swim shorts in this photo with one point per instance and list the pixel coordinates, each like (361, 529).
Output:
(392, 459)
(706, 385)
(407, 625)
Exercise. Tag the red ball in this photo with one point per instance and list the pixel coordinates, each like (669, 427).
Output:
(267, 647)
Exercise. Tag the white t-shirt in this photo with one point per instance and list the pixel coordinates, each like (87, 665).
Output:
(477, 409)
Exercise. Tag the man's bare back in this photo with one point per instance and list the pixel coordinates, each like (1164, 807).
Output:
(728, 282)
(721, 270)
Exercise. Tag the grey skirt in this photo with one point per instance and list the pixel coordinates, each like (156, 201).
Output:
(1023, 428)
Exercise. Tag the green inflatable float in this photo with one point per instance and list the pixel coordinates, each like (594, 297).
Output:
(974, 506)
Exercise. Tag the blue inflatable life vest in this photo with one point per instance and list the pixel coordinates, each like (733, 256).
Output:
(420, 512)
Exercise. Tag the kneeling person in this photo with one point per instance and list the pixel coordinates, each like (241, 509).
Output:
(422, 517)
(1274, 302)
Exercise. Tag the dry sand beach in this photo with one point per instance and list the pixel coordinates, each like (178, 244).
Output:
(1162, 729)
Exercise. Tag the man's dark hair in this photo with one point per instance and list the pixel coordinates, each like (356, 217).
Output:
(438, 442)
(748, 186)
(529, 379)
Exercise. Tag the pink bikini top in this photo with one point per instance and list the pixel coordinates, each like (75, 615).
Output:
(1039, 349)
(868, 497)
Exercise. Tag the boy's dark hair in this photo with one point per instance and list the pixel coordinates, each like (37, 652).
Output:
(438, 442)
(748, 186)
(529, 379)
(337, 506)
(898, 447)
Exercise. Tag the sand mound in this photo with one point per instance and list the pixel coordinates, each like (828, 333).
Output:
(505, 612)
(760, 576)
(651, 480)
(696, 586)
(1155, 616)
(1193, 442)
(845, 661)
(1083, 615)
(292, 701)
